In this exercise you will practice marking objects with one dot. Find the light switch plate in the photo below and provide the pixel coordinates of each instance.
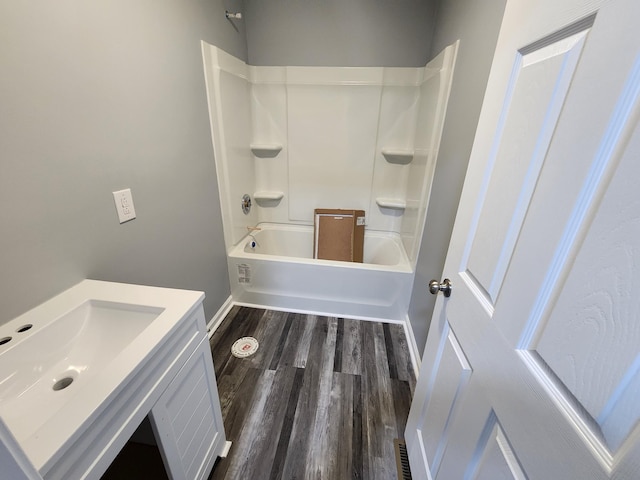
(124, 205)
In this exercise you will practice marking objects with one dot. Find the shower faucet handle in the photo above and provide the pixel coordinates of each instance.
(246, 204)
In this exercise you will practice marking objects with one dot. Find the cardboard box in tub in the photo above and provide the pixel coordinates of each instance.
(338, 234)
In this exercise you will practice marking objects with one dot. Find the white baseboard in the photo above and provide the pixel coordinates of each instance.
(225, 450)
(319, 313)
(414, 351)
(216, 320)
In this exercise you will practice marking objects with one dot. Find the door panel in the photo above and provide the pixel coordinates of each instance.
(536, 93)
(449, 382)
(495, 459)
(589, 340)
(545, 260)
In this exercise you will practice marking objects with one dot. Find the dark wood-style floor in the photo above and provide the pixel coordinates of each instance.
(323, 398)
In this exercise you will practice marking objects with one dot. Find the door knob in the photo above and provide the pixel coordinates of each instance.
(444, 287)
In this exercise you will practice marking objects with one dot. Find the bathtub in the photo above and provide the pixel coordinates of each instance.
(280, 273)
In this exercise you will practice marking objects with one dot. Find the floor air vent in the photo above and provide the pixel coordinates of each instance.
(402, 460)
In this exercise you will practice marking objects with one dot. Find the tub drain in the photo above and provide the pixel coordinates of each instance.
(62, 383)
(244, 347)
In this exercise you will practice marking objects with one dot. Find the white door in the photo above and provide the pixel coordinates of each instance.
(532, 365)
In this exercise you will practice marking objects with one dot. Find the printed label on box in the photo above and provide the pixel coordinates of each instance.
(360, 221)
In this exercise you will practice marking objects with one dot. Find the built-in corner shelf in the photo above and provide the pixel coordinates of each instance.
(265, 150)
(268, 196)
(392, 203)
(397, 155)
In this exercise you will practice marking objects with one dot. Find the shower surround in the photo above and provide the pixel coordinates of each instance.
(299, 138)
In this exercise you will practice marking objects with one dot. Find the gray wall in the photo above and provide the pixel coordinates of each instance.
(476, 24)
(354, 33)
(98, 96)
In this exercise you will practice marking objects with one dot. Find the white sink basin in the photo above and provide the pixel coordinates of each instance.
(42, 368)
(67, 356)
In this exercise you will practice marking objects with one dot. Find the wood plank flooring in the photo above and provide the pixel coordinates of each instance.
(323, 398)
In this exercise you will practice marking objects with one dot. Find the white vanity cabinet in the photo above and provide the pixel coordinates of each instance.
(126, 352)
(187, 420)
(176, 388)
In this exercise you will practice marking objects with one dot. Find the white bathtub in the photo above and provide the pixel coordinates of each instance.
(281, 273)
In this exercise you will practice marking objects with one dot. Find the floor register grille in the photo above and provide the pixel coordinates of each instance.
(402, 460)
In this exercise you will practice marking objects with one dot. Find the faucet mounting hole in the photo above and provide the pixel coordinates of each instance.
(62, 383)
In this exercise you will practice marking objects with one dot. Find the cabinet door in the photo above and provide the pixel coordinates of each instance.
(187, 419)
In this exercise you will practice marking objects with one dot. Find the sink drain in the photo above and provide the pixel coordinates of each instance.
(62, 383)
